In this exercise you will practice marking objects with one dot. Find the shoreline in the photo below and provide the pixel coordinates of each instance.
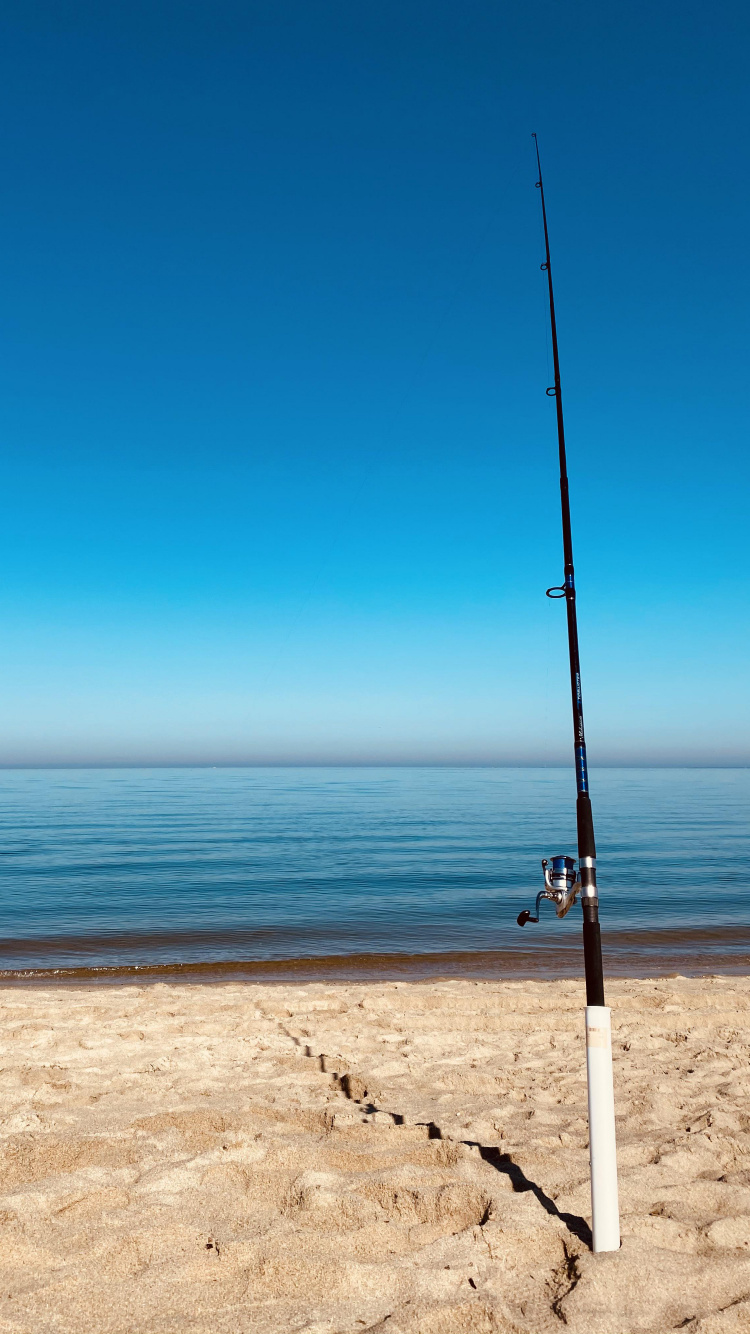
(692, 952)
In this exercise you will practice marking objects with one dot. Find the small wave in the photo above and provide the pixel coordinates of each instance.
(689, 951)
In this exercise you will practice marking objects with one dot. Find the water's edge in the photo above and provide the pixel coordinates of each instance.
(686, 952)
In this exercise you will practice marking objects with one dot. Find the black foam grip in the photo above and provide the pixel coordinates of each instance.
(586, 844)
(592, 954)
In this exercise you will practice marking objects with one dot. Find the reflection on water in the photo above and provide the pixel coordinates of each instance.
(179, 866)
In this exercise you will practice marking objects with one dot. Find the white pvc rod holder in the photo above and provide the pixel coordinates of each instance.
(605, 1210)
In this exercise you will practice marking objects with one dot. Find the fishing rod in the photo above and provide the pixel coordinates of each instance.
(562, 884)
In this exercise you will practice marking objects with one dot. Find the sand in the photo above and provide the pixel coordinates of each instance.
(408, 1158)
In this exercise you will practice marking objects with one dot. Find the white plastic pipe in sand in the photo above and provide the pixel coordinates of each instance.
(605, 1209)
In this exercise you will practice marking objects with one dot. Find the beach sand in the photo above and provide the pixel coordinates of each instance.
(408, 1158)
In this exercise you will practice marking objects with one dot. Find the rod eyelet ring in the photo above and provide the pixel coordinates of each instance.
(552, 391)
(539, 185)
(559, 592)
(544, 267)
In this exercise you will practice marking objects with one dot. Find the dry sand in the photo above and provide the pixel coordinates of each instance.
(403, 1157)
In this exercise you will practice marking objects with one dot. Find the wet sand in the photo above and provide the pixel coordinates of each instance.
(541, 953)
(402, 1157)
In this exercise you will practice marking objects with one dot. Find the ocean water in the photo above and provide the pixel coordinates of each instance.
(363, 870)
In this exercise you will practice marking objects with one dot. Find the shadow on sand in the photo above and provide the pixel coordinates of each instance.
(354, 1090)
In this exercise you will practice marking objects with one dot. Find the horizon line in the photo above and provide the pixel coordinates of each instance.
(369, 764)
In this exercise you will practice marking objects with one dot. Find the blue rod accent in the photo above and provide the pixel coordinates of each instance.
(582, 773)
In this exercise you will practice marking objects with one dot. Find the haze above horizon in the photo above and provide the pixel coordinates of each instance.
(279, 473)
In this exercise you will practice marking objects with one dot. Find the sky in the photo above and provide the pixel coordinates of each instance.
(278, 475)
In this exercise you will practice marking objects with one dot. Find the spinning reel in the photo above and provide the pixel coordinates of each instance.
(561, 886)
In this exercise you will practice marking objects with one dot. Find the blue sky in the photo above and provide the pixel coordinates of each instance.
(278, 474)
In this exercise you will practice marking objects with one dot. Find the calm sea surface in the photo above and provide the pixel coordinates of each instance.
(210, 867)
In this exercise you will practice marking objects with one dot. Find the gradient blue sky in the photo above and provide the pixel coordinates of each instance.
(278, 470)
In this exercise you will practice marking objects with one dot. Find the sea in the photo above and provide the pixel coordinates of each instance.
(272, 873)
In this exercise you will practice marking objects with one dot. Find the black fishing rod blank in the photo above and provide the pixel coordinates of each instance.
(562, 884)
